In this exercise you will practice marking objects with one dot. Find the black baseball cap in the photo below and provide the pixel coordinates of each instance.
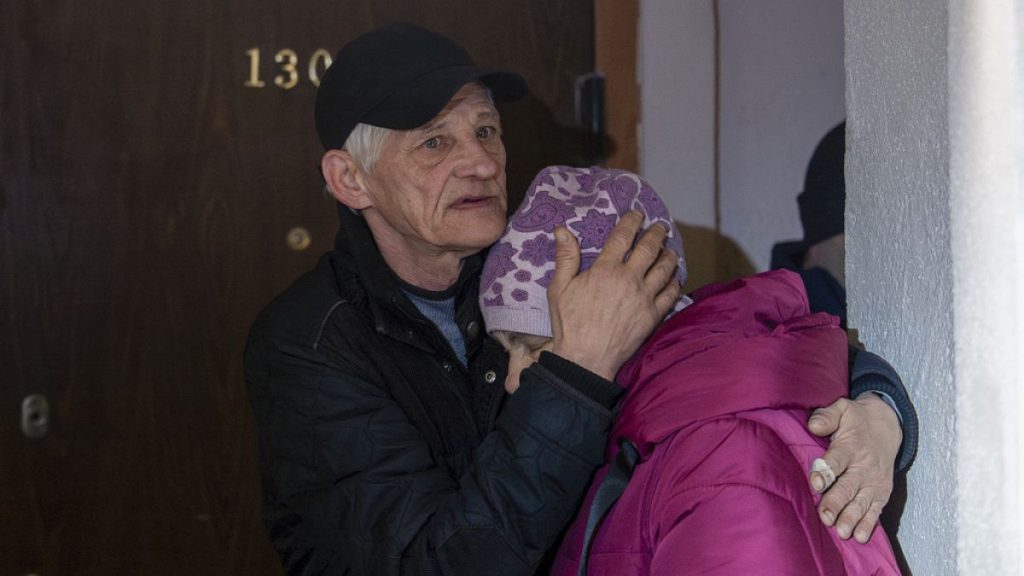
(399, 76)
(823, 200)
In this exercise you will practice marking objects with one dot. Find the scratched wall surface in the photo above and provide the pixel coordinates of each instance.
(899, 266)
(145, 197)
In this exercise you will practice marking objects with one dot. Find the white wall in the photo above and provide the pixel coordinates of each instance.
(781, 90)
(986, 144)
(898, 260)
(677, 106)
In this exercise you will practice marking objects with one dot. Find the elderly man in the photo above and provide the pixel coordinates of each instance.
(387, 442)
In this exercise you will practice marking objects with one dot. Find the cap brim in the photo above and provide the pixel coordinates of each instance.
(420, 100)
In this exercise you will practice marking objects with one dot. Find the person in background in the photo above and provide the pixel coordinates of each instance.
(820, 258)
(710, 438)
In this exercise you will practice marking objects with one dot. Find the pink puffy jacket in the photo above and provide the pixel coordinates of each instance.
(717, 405)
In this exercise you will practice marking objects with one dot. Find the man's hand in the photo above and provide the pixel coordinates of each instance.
(866, 437)
(601, 316)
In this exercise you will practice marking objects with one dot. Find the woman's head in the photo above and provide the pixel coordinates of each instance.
(589, 202)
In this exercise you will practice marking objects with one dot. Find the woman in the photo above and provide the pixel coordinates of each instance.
(710, 447)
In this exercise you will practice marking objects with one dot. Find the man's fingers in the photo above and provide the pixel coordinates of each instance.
(662, 271)
(620, 241)
(861, 454)
(667, 298)
(852, 514)
(867, 524)
(600, 317)
(837, 459)
(648, 249)
(839, 495)
(825, 421)
(567, 262)
(822, 475)
(835, 462)
(841, 492)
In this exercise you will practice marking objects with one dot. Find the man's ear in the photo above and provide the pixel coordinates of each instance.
(345, 179)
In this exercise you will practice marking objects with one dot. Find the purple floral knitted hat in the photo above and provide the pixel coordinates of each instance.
(589, 202)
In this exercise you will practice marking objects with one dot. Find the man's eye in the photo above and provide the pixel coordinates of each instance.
(485, 132)
(432, 143)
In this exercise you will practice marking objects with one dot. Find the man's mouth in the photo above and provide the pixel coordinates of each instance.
(473, 201)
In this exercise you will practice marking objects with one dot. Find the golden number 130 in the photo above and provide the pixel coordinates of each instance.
(288, 65)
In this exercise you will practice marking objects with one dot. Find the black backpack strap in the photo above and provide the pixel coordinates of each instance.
(613, 485)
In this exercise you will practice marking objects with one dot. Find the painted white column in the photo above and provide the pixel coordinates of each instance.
(986, 144)
(898, 262)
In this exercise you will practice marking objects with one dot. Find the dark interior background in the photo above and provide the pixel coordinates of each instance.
(146, 194)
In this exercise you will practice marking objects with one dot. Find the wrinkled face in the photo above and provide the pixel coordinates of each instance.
(441, 187)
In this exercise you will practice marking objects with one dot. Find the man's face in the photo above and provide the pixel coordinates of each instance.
(440, 188)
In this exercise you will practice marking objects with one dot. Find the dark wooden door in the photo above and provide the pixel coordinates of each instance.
(155, 160)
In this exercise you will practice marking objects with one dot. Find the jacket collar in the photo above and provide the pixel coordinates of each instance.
(357, 255)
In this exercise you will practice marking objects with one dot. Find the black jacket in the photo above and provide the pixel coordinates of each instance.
(382, 454)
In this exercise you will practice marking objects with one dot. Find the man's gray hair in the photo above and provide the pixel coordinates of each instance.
(364, 144)
(365, 140)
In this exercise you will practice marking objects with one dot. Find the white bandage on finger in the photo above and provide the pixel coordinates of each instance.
(822, 467)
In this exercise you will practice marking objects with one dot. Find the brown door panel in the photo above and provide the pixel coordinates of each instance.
(146, 194)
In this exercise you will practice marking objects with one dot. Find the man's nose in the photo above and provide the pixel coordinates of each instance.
(477, 161)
